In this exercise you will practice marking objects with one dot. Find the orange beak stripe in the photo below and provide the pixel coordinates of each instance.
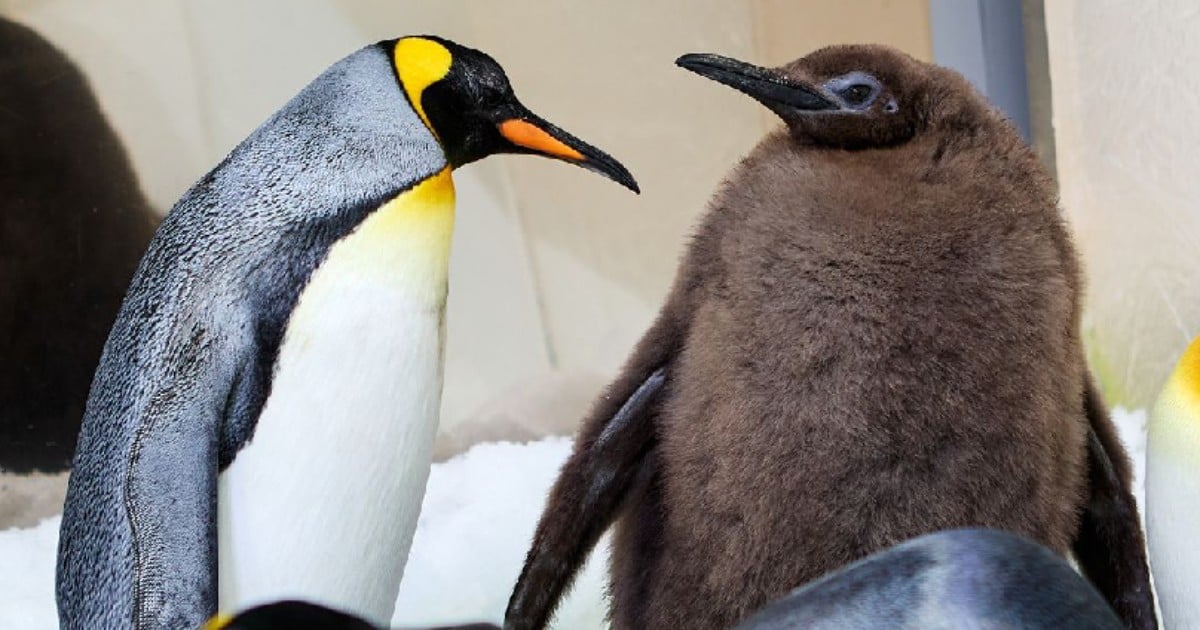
(533, 137)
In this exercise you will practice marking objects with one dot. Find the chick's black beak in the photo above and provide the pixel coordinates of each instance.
(530, 134)
(764, 85)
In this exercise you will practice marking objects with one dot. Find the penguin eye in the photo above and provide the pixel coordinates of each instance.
(857, 90)
(857, 94)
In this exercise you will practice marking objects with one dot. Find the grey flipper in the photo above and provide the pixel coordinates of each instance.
(597, 477)
(967, 578)
(612, 457)
(187, 366)
(137, 545)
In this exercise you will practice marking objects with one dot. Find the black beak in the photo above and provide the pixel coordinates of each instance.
(764, 85)
(530, 134)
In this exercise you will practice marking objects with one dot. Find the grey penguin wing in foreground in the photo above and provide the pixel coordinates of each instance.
(873, 335)
(289, 223)
(962, 578)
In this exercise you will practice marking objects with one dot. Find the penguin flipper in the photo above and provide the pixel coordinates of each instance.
(172, 498)
(609, 453)
(1111, 548)
(138, 545)
(583, 502)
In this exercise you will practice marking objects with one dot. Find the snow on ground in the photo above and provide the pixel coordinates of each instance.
(27, 576)
(476, 522)
(1132, 427)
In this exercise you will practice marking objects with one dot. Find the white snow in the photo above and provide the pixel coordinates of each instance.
(476, 522)
(1132, 427)
(27, 576)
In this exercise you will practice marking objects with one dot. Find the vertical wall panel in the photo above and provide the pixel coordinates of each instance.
(1127, 132)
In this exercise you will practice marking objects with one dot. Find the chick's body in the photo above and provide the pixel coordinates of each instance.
(873, 336)
(849, 381)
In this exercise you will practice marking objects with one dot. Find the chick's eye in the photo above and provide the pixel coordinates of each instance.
(857, 94)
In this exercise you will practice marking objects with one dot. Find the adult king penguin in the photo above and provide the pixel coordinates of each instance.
(1173, 493)
(283, 333)
(874, 335)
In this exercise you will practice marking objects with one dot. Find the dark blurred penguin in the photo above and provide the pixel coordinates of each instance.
(874, 335)
(967, 578)
(277, 365)
(73, 224)
(299, 615)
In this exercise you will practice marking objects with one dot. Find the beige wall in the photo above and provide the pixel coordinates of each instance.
(555, 271)
(1127, 127)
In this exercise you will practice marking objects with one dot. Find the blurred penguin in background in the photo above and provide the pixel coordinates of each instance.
(73, 224)
(1173, 493)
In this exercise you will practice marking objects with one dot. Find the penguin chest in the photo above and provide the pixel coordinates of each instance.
(1172, 504)
(322, 502)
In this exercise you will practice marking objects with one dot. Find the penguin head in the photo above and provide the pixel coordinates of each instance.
(848, 97)
(465, 99)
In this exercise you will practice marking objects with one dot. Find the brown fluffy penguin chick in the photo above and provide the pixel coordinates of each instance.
(874, 335)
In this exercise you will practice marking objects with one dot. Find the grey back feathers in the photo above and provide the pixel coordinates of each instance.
(188, 364)
(969, 578)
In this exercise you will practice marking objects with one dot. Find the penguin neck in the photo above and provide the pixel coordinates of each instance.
(408, 236)
(402, 248)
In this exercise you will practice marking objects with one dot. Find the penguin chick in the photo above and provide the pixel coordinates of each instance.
(965, 578)
(873, 335)
(298, 615)
(1173, 492)
(277, 363)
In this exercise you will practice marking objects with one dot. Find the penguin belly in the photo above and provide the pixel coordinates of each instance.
(322, 502)
(1172, 520)
(1173, 493)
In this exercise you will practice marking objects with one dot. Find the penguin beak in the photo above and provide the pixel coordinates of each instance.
(530, 134)
(781, 95)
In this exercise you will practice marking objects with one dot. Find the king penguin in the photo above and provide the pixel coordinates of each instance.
(1173, 493)
(873, 335)
(269, 392)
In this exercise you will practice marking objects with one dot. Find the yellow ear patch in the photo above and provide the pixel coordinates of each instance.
(420, 63)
